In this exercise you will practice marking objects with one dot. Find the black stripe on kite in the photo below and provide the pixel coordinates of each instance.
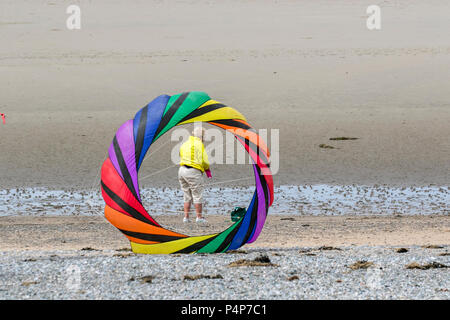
(196, 246)
(258, 151)
(225, 243)
(202, 111)
(253, 219)
(265, 188)
(125, 206)
(124, 169)
(169, 114)
(233, 123)
(140, 135)
(149, 236)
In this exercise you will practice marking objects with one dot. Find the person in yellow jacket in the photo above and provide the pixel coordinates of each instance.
(193, 162)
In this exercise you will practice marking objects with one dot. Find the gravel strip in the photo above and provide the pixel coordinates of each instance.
(299, 273)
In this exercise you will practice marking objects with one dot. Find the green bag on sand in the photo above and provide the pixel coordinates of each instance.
(237, 213)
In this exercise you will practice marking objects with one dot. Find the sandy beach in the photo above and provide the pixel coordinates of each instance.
(280, 231)
(359, 218)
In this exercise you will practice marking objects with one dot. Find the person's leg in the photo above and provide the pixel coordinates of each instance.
(187, 208)
(196, 186)
(194, 178)
(198, 209)
(187, 195)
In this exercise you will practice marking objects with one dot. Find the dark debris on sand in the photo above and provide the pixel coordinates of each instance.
(432, 246)
(326, 146)
(362, 264)
(89, 249)
(201, 276)
(344, 138)
(123, 255)
(236, 252)
(144, 279)
(328, 248)
(260, 261)
(432, 265)
(309, 252)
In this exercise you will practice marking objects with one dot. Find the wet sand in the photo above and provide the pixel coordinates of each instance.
(280, 231)
(320, 73)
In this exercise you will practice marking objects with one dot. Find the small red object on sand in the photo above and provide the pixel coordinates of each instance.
(3, 117)
(208, 173)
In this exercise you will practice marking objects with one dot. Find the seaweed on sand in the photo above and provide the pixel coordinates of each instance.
(326, 146)
(261, 261)
(344, 138)
(202, 276)
(363, 264)
(432, 265)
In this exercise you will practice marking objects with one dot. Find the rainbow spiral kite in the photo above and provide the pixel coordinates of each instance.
(119, 176)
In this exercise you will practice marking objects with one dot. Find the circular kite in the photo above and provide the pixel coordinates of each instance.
(119, 176)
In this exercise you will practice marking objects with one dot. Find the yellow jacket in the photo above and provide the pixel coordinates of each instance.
(193, 154)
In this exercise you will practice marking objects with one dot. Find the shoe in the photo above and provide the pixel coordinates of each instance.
(201, 220)
(185, 220)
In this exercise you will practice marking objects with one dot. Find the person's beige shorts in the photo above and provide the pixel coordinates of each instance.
(191, 182)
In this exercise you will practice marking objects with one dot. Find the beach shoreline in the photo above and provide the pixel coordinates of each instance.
(378, 200)
(74, 233)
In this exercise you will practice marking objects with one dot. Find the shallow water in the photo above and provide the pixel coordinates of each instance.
(303, 200)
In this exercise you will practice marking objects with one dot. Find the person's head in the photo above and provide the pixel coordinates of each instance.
(199, 132)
